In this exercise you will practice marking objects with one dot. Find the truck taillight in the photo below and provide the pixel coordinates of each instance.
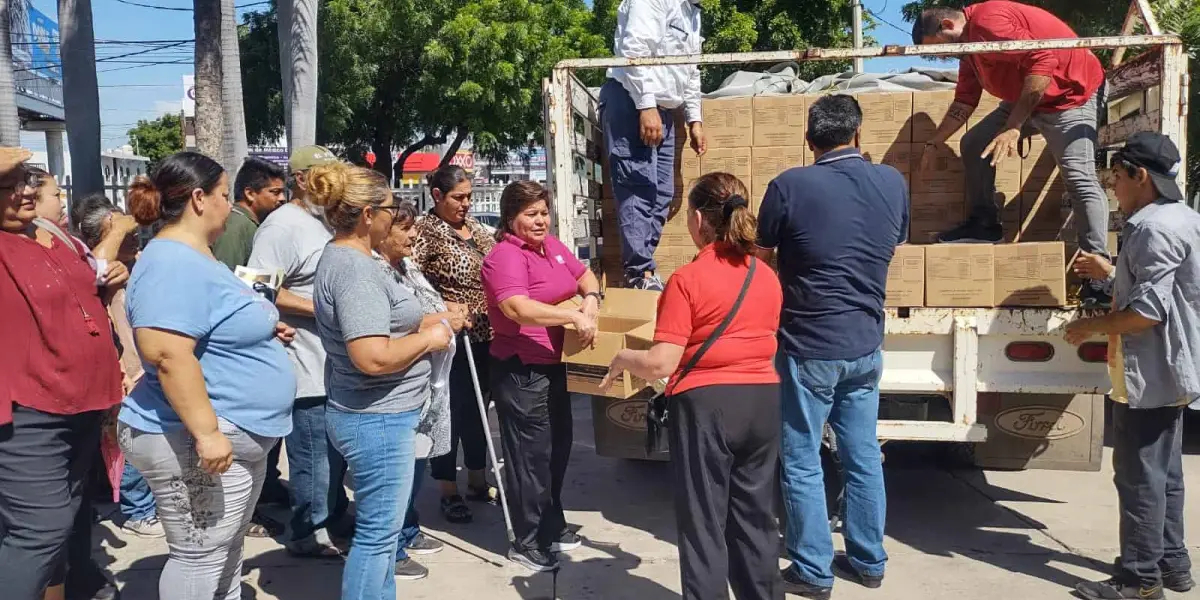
(1029, 351)
(1093, 352)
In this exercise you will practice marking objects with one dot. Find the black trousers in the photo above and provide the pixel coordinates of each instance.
(466, 425)
(725, 459)
(536, 432)
(45, 461)
(1148, 466)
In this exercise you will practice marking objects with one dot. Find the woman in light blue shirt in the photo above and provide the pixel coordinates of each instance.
(218, 388)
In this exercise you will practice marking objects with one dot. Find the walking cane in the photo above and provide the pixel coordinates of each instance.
(483, 414)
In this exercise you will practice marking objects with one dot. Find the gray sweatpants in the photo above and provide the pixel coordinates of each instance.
(205, 516)
(1071, 139)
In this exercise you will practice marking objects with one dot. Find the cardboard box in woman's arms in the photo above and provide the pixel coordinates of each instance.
(626, 321)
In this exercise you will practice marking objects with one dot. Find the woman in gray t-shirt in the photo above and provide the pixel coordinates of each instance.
(377, 367)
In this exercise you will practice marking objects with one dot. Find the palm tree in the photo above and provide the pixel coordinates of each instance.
(209, 78)
(81, 96)
(232, 105)
(10, 124)
(298, 67)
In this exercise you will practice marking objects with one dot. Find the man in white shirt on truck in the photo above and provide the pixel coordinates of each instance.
(637, 111)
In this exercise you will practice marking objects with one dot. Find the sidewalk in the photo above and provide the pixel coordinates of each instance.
(952, 535)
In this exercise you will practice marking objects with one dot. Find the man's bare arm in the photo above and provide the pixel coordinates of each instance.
(292, 304)
(955, 118)
(1031, 95)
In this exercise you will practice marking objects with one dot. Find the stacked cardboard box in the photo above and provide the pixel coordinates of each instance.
(758, 138)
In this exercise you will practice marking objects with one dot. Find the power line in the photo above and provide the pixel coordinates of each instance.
(887, 22)
(182, 8)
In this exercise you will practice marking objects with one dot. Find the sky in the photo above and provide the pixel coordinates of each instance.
(131, 92)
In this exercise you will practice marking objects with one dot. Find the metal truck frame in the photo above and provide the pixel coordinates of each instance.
(960, 354)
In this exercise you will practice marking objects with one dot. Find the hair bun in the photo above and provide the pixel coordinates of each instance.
(327, 184)
(144, 201)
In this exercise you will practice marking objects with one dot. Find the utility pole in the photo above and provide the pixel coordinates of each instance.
(857, 28)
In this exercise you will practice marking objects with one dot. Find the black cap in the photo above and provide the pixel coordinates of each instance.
(1159, 156)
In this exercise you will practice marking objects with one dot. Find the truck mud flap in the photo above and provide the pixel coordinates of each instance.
(1060, 432)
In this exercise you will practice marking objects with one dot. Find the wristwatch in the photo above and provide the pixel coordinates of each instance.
(595, 295)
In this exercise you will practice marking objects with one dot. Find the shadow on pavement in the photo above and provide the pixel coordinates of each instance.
(606, 578)
(940, 512)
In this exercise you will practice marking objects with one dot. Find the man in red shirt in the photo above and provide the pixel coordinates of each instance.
(1053, 92)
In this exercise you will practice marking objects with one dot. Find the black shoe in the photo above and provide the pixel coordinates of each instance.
(567, 542)
(410, 570)
(973, 232)
(1179, 582)
(792, 584)
(423, 544)
(1094, 298)
(537, 561)
(842, 568)
(1119, 588)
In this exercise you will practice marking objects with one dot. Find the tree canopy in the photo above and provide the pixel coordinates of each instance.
(158, 138)
(412, 73)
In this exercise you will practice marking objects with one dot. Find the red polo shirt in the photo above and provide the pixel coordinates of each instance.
(58, 354)
(696, 300)
(549, 274)
(1075, 75)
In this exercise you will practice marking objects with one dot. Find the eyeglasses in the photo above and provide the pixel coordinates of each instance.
(26, 178)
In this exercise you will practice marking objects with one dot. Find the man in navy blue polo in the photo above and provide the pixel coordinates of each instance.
(835, 226)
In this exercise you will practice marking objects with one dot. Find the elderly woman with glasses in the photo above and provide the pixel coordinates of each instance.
(379, 347)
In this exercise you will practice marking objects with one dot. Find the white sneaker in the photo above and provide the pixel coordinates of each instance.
(149, 527)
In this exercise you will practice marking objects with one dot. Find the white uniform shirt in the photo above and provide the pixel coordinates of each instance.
(659, 28)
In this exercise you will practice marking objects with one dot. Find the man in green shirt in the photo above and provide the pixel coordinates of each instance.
(257, 191)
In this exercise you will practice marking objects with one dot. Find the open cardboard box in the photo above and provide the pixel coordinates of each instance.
(626, 321)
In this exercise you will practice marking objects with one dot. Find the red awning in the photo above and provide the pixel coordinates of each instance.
(421, 162)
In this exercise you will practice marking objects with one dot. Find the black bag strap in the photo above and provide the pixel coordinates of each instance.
(712, 339)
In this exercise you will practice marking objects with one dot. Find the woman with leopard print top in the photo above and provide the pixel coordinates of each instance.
(450, 249)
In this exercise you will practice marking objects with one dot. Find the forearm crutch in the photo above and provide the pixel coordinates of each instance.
(483, 415)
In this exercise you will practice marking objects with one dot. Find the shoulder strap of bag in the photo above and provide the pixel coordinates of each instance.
(712, 339)
(57, 232)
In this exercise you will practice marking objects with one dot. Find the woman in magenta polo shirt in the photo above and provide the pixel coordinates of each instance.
(524, 277)
(724, 412)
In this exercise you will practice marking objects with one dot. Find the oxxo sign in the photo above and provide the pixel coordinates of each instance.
(1039, 423)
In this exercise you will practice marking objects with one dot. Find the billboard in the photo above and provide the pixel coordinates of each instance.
(37, 67)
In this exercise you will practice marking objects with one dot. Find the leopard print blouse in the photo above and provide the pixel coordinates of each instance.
(453, 266)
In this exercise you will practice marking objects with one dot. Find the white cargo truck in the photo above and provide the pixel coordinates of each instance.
(1002, 380)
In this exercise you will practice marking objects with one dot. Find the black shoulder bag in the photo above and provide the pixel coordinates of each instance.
(657, 413)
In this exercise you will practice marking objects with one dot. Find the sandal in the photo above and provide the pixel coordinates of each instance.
(312, 548)
(455, 510)
(487, 494)
(262, 526)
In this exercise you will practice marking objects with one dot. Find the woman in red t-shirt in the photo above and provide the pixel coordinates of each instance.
(724, 412)
(58, 375)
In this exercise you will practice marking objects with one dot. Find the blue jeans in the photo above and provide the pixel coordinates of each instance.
(643, 178)
(846, 394)
(315, 471)
(412, 524)
(137, 501)
(380, 450)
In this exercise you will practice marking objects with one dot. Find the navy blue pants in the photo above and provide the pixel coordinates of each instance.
(643, 178)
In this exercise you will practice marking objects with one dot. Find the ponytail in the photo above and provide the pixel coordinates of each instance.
(721, 200)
